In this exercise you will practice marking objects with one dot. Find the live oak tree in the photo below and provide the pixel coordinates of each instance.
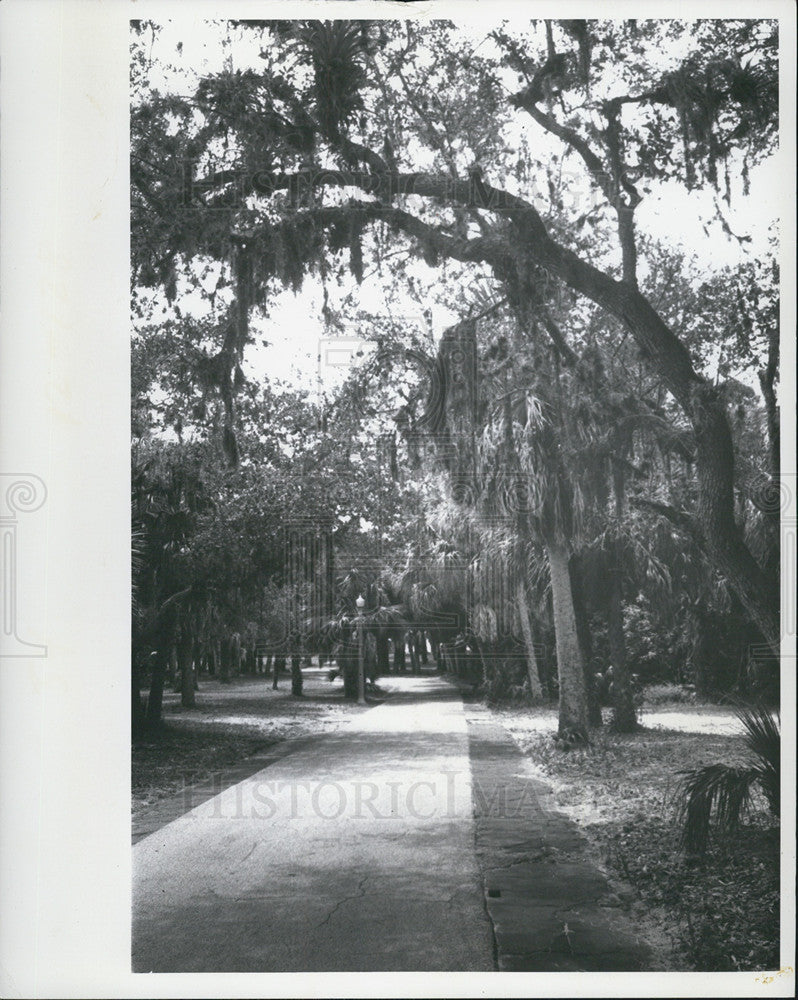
(356, 137)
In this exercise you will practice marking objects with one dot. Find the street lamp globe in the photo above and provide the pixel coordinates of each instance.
(360, 603)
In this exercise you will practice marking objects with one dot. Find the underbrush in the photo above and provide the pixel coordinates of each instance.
(661, 694)
(726, 907)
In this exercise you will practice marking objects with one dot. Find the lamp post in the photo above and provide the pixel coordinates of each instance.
(361, 667)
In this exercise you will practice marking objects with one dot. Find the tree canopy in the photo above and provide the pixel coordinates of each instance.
(593, 373)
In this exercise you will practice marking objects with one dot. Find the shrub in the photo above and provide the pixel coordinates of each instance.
(726, 791)
(660, 694)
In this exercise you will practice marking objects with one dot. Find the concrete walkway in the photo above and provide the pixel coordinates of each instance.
(413, 839)
(552, 910)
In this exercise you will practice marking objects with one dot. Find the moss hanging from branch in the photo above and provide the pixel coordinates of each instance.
(701, 96)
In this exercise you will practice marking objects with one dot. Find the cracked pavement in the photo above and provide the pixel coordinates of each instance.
(416, 838)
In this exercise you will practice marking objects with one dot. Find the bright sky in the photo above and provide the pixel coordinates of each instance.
(297, 351)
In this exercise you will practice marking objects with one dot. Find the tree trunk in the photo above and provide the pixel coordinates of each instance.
(155, 700)
(727, 551)
(411, 645)
(585, 641)
(573, 721)
(186, 666)
(350, 668)
(225, 653)
(279, 664)
(535, 688)
(296, 676)
(399, 653)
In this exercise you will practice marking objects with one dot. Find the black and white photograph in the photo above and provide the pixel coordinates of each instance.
(455, 506)
(458, 517)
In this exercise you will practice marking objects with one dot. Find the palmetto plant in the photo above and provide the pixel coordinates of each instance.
(727, 792)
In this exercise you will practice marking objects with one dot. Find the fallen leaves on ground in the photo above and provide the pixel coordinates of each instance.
(621, 790)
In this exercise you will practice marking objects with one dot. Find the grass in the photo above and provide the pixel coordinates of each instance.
(721, 914)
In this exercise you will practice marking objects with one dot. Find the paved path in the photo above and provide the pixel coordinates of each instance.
(413, 839)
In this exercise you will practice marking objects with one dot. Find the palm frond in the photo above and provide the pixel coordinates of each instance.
(763, 739)
(717, 788)
(725, 791)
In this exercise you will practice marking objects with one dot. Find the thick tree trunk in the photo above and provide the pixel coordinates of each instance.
(585, 641)
(727, 551)
(573, 721)
(535, 688)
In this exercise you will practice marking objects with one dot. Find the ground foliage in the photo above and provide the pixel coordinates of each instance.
(726, 909)
(176, 755)
(721, 913)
